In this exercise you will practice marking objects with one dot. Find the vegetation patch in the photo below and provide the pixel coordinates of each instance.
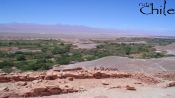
(43, 54)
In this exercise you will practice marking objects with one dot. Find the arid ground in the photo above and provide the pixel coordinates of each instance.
(105, 77)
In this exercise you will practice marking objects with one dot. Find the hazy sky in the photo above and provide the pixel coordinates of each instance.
(118, 14)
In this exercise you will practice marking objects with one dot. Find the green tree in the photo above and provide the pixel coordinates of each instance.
(63, 60)
(20, 57)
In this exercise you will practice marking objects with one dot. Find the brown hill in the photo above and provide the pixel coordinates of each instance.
(128, 64)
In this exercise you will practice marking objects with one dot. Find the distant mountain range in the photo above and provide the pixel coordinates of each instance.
(56, 31)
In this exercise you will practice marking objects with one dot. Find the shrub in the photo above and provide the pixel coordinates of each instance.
(63, 60)
(20, 57)
(7, 69)
(6, 63)
(40, 64)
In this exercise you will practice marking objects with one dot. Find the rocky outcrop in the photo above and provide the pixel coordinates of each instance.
(130, 88)
(4, 89)
(21, 83)
(168, 84)
(46, 90)
(166, 75)
(105, 83)
(34, 89)
(81, 74)
(171, 84)
(59, 69)
(33, 84)
(28, 76)
(70, 78)
(146, 78)
(99, 75)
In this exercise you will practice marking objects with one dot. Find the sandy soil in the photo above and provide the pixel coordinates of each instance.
(138, 85)
(170, 49)
(146, 92)
(128, 64)
(95, 88)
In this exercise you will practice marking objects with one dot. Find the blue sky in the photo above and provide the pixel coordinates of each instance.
(117, 14)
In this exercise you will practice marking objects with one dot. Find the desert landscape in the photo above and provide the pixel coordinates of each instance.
(125, 67)
(80, 83)
(87, 49)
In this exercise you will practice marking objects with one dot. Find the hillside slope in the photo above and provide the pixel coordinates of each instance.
(127, 64)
